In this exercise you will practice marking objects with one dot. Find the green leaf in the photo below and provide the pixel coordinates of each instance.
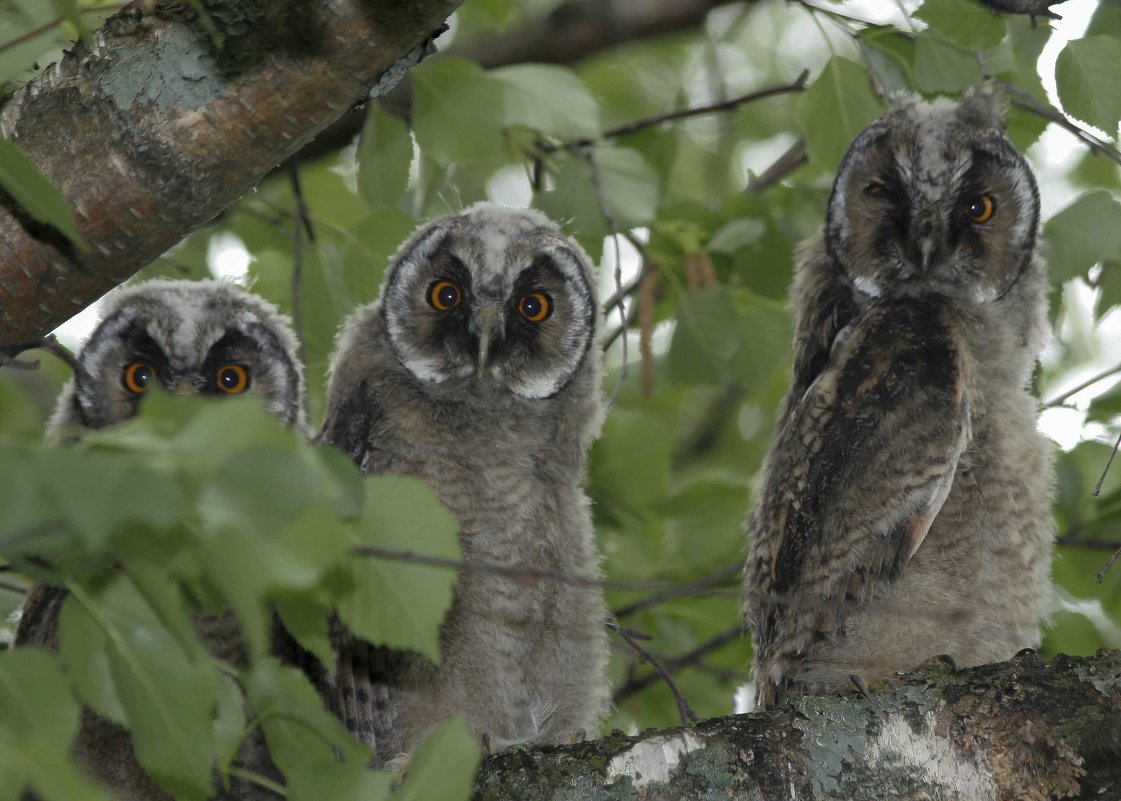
(941, 66)
(838, 106)
(443, 766)
(304, 739)
(765, 335)
(890, 56)
(68, 10)
(398, 603)
(38, 721)
(168, 697)
(1086, 77)
(736, 234)
(385, 153)
(1082, 234)
(458, 112)
(548, 99)
(966, 22)
(35, 193)
(701, 350)
(630, 461)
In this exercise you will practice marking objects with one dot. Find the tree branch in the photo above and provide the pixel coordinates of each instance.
(994, 732)
(146, 145)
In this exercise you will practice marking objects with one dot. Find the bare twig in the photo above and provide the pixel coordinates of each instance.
(683, 708)
(520, 573)
(797, 85)
(47, 26)
(48, 343)
(301, 223)
(794, 157)
(1108, 564)
(693, 588)
(1072, 539)
(646, 301)
(635, 685)
(1022, 99)
(1098, 486)
(1089, 382)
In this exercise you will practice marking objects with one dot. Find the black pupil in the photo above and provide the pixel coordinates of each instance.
(448, 295)
(531, 306)
(976, 207)
(228, 378)
(141, 376)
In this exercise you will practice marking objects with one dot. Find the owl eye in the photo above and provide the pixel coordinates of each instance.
(137, 377)
(536, 307)
(980, 208)
(233, 379)
(443, 295)
(874, 188)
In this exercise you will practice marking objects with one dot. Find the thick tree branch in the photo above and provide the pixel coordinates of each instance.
(1014, 730)
(155, 129)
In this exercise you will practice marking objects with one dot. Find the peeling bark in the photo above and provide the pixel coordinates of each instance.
(1015, 731)
(155, 128)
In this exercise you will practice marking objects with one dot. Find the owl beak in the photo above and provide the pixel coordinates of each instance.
(927, 234)
(185, 387)
(486, 324)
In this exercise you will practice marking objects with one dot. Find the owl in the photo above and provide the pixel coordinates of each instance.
(477, 372)
(904, 507)
(200, 337)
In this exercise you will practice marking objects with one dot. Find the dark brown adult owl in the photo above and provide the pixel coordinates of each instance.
(904, 511)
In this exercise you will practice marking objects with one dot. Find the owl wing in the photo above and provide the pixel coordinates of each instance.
(857, 474)
(361, 689)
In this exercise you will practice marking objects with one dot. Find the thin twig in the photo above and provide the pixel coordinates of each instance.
(619, 330)
(46, 26)
(48, 343)
(1108, 564)
(1098, 486)
(634, 685)
(520, 573)
(1089, 382)
(1072, 539)
(689, 590)
(794, 157)
(687, 715)
(627, 290)
(1022, 99)
(298, 258)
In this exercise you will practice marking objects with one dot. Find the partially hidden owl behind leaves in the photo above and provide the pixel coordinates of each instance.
(477, 371)
(194, 337)
(904, 508)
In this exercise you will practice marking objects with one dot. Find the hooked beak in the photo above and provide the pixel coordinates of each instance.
(185, 387)
(486, 324)
(926, 233)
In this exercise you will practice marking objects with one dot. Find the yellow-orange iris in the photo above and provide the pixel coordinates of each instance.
(535, 307)
(138, 376)
(444, 295)
(980, 208)
(233, 379)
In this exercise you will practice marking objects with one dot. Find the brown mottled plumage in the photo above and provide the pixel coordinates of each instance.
(495, 410)
(904, 511)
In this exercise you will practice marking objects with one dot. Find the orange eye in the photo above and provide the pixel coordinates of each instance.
(137, 377)
(536, 307)
(874, 188)
(233, 379)
(980, 208)
(443, 295)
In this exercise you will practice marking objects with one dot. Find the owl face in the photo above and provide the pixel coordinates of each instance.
(496, 296)
(191, 337)
(932, 197)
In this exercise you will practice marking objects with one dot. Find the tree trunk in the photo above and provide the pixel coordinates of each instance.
(160, 125)
(1015, 731)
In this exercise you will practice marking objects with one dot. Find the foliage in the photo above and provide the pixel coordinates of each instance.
(205, 505)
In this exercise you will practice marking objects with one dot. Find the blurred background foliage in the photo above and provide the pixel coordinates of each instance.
(573, 107)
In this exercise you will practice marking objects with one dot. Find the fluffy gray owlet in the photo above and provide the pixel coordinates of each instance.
(477, 371)
(197, 337)
(904, 511)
